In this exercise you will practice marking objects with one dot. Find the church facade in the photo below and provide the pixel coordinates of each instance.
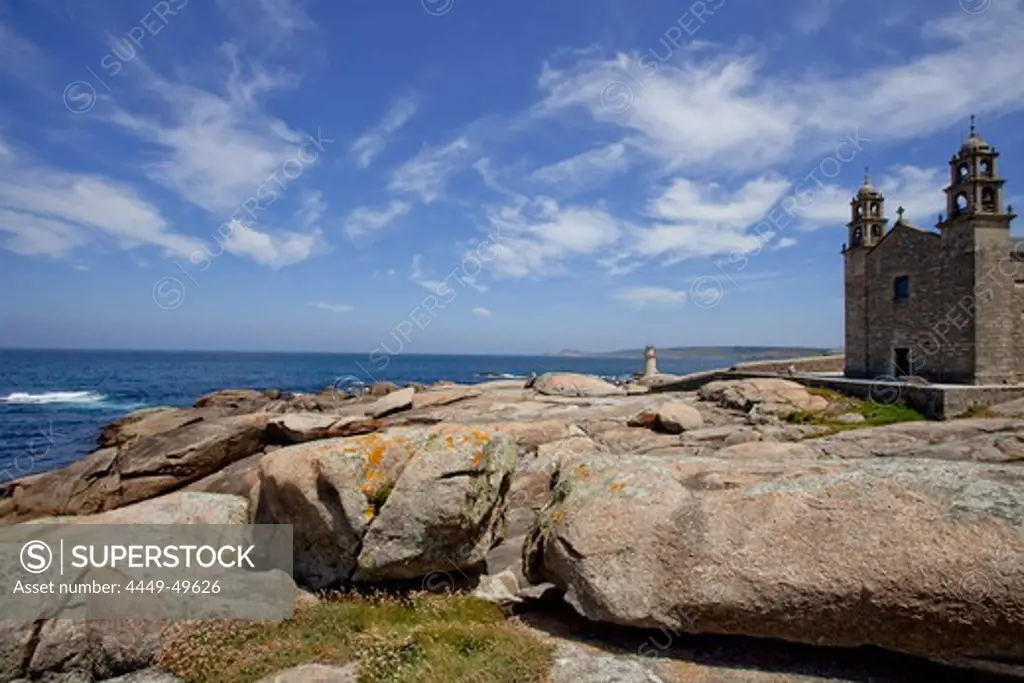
(944, 305)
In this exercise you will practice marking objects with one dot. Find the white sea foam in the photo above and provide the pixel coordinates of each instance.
(53, 397)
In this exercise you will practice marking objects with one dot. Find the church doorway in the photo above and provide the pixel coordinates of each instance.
(902, 362)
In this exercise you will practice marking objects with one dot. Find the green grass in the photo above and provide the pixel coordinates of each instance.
(416, 639)
(875, 414)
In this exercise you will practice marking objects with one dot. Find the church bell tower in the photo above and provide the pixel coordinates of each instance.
(864, 231)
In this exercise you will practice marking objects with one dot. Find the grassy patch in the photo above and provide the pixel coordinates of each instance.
(874, 414)
(978, 411)
(418, 639)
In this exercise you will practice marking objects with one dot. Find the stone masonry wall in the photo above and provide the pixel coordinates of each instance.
(907, 323)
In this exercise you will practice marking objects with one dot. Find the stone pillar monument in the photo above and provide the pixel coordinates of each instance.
(650, 362)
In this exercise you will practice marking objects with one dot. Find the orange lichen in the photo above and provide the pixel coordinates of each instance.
(582, 471)
(617, 486)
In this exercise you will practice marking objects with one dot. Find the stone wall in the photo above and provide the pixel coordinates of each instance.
(962, 321)
(856, 313)
(832, 363)
(909, 323)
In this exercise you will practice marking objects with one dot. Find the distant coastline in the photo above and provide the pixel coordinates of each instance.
(733, 353)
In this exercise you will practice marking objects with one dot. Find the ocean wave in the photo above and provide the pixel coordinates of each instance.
(500, 375)
(20, 397)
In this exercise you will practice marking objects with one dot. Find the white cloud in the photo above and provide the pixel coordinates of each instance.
(916, 189)
(539, 235)
(724, 113)
(278, 21)
(312, 209)
(699, 113)
(641, 297)
(585, 169)
(276, 250)
(366, 219)
(371, 143)
(427, 173)
(216, 150)
(482, 312)
(417, 275)
(695, 220)
(47, 211)
(332, 308)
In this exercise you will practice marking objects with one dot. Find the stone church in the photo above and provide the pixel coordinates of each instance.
(945, 305)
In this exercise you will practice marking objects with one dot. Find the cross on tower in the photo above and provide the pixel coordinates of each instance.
(972, 125)
(867, 175)
(899, 212)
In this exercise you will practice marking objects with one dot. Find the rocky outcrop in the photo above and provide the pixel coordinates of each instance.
(446, 508)
(568, 384)
(768, 449)
(672, 418)
(146, 422)
(982, 440)
(101, 648)
(394, 402)
(924, 557)
(383, 506)
(239, 401)
(771, 397)
(435, 398)
(301, 427)
(382, 388)
(143, 467)
(183, 507)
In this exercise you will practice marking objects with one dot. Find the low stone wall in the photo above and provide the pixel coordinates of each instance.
(934, 402)
(808, 364)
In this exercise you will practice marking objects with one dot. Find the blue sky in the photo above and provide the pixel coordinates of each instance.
(471, 176)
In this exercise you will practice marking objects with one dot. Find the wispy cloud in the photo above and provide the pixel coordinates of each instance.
(365, 219)
(725, 113)
(642, 297)
(482, 312)
(539, 235)
(427, 173)
(331, 307)
(276, 250)
(370, 144)
(215, 149)
(589, 168)
(48, 211)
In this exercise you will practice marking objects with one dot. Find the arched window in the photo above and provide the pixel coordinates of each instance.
(857, 237)
(988, 200)
(961, 203)
(874, 208)
(876, 230)
(860, 210)
(986, 168)
(963, 172)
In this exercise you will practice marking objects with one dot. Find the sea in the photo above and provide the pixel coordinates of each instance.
(53, 403)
